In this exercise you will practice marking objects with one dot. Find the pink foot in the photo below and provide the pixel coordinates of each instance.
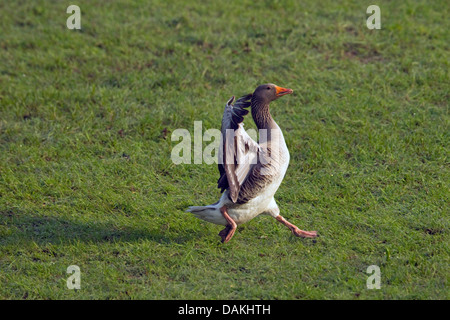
(295, 230)
(227, 233)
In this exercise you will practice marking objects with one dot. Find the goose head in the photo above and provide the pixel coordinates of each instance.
(269, 92)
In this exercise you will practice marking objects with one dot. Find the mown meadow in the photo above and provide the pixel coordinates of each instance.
(87, 179)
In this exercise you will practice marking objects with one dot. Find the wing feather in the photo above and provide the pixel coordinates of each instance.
(238, 151)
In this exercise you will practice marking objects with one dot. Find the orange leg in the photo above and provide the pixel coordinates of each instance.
(229, 230)
(296, 231)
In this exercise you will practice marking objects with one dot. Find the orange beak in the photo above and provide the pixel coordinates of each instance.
(282, 91)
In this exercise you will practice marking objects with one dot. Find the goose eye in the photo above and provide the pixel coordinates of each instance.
(268, 88)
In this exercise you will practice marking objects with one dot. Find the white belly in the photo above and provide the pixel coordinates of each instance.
(263, 202)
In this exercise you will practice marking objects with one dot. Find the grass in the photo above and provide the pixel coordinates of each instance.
(86, 179)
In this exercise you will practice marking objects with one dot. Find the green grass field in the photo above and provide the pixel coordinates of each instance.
(86, 178)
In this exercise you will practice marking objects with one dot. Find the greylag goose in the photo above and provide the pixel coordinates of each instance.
(250, 172)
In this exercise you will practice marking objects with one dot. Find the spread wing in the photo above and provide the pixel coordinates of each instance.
(238, 151)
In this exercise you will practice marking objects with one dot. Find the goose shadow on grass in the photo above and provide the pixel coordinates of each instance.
(56, 230)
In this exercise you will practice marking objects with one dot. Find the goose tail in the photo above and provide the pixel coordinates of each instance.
(210, 213)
